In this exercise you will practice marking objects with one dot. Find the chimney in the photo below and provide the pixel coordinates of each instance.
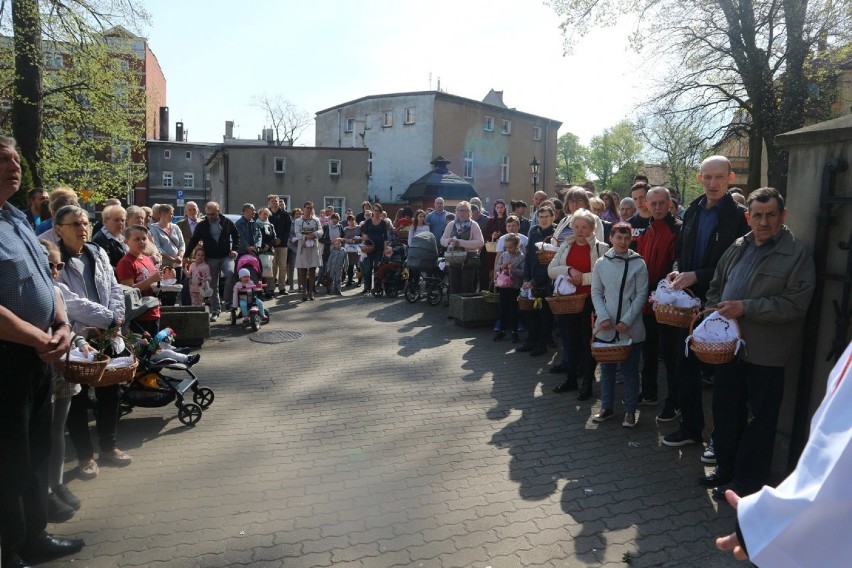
(229, 130)
(179, 131)
(164, 124)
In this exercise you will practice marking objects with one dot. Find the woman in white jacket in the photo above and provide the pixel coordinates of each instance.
(619, 290)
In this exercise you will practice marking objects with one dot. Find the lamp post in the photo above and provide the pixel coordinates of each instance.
(534, 169)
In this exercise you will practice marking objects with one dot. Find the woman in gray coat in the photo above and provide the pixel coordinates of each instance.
(619, 290)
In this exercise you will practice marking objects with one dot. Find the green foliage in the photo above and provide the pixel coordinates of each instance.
(614, 156)
(571, 159)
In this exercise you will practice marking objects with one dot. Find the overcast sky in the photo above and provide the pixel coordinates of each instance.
(216, 55)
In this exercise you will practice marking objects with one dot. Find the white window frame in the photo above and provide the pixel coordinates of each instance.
(370, 165)
(409, 116)
(287, 201)
(536, 133)
(167, 154)
(504, 169)
(468, 164)
(488, 123)
(189, 180)
(279, 161)
(168, 179)
(350, 125)
(332, 198)
(387, 119)
(335, 167)
(505, 126)
(188, 154)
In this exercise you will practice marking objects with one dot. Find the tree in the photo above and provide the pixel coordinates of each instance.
(728, 54)
(76, 111)
(678, 141)
(286, 119)
(570, 159)
(614, 156)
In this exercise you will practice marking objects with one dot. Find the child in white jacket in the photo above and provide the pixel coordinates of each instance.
(619, 290)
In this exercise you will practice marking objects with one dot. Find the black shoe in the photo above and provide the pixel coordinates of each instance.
(67, 497)
(57, 510)
(680, 438)
(560, 368)
(538, 351)
(515, 338)
(48, 547)
(525, 347)
(566, 386)
(584, 394)
(192, 359)
(499, 336)
(713, 479)
(13, 561)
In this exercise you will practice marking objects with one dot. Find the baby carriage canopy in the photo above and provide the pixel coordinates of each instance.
(423, 248)
(252, 264)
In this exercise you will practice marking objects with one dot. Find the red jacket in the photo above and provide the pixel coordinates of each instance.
(657, 247)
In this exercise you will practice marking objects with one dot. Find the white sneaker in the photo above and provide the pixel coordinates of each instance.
(629, 420)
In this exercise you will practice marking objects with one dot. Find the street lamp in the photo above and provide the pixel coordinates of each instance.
(534, 169)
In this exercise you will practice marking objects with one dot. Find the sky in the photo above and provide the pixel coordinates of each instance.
(216, 56)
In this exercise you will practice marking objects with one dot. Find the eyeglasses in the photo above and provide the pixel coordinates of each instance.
(57, 266)
(75, 224)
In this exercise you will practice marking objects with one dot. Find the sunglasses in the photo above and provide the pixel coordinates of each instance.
(58, 266)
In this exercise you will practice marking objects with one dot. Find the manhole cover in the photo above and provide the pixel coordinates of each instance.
(277, 336)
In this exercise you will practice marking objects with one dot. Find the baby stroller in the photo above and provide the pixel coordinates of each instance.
(425, 277)
(390, 274)
(251, 296)
(155, 385)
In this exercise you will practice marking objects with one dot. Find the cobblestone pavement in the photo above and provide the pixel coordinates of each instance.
(389, 436)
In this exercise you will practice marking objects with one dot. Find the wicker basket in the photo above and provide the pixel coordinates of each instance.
(545, 256)
(491, 297)
(455, 257)
(673, 315)
(562, 304)
(525, 304)
(610, 353)
(713, 352)
(491, 246)
(367, 247)
(84, 372)
(119, 375)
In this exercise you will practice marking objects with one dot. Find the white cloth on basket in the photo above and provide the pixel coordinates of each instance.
(716, 328)
(666, 295)
(563, 285)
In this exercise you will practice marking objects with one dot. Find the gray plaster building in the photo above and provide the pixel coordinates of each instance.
(175, 167)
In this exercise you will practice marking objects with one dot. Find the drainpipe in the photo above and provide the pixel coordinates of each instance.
(339, 139)
(227, 170)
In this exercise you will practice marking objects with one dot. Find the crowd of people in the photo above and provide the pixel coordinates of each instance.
(739, 259)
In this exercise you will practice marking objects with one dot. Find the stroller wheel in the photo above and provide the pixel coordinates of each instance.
(189, 414)
(377, 292)
(434, 294)
(412, 292)
(203, 397)
(392, 291)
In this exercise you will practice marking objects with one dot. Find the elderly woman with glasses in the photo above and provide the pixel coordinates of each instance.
(96, 300)
(464, 234)
(575, 259)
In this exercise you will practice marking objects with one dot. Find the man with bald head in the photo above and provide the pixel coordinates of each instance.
(711, 224)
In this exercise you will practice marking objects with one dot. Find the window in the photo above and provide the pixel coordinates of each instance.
(168, 179)
(167, 154)
(334, 167)
(280, 165)
(368, 121)
(536, 133)
(387, 121)
(370, 165)
(505, 126)
(189, 179)
(489, 124)
(504, 170)
(123, 65)
(339, 204)
(188, 154)
(409, 116)
(468, 164)
(350, 124)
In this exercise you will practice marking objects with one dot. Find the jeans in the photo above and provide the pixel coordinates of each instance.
(244, 309)
(630, 373)
(226, 267)
(744, 447)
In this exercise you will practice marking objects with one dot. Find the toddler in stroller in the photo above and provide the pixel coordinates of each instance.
(246, 300)
(390, 277)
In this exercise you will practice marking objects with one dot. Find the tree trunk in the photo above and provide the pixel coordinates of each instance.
(28, 104)
(755, 156)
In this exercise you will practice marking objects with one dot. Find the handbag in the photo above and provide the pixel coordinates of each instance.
(504, 279)
(266, 263)
(455, 257)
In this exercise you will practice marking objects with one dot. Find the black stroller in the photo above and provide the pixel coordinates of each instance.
(425, 277)
(155, 385)
(391, 275)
